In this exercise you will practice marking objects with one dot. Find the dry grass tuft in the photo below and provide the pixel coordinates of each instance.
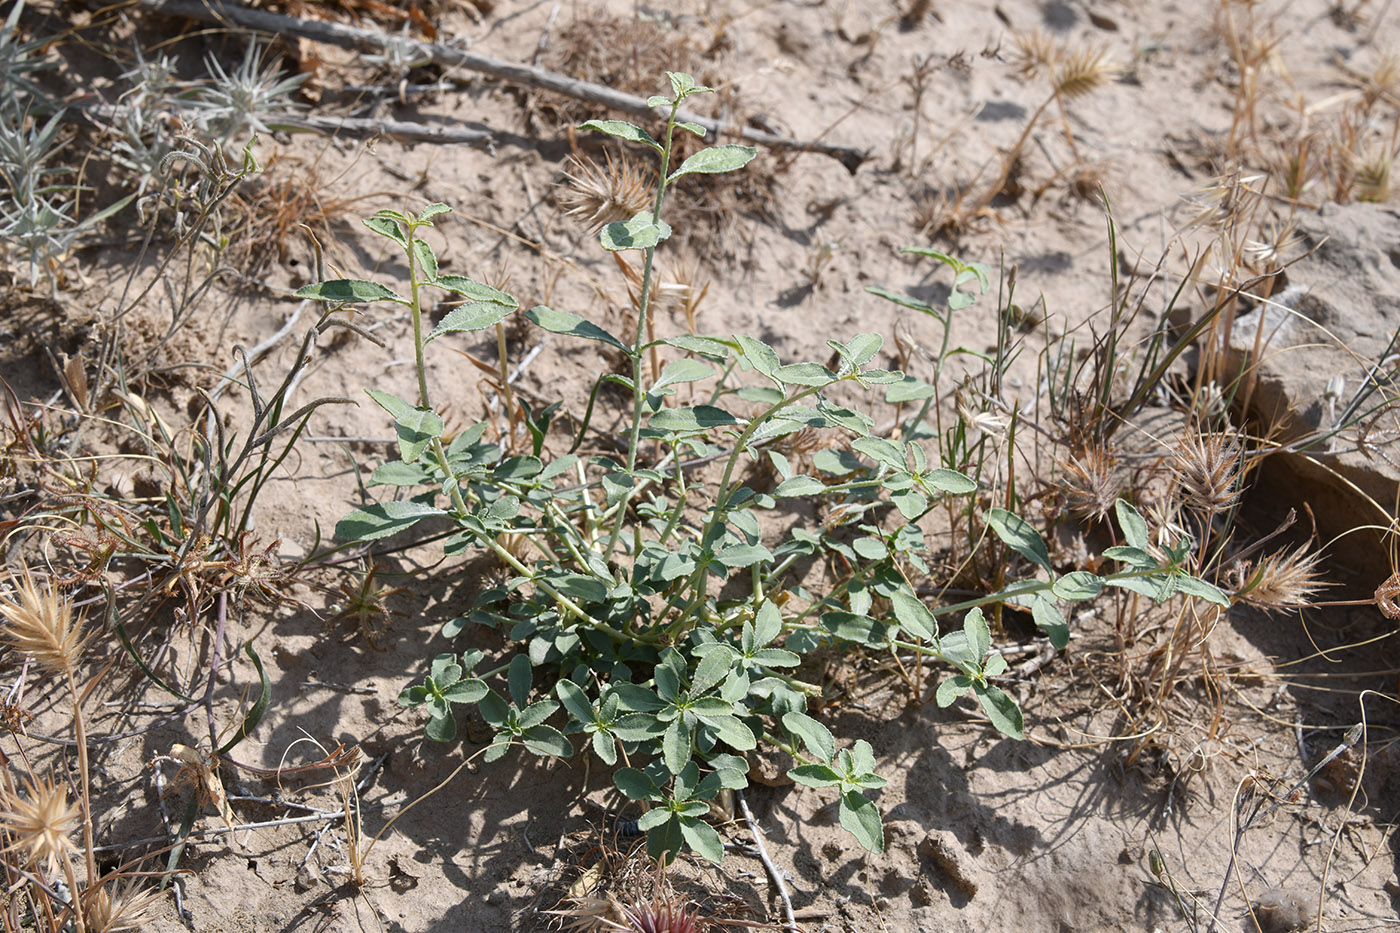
(40, 625)
(121, 907)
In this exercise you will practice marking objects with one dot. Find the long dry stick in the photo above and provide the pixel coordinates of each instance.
(773, 874)
(226, 13)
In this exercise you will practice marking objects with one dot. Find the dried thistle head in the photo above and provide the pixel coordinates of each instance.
(604, 194)
(121, 907)
(39, 624)
(1080, 72)
(661, 916)
(1281, 581)
(40, 822)
(1090, 483)
(1206, 469)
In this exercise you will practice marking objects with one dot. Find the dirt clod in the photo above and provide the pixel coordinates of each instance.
(1282, 910)
(942, 849)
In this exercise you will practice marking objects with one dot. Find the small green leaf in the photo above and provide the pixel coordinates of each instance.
(1133, 525)
(950, 481)
(398, 473)
(416, 429)
(638, 727)
(709, 672)
(653, 818)
(733, 732)
(563, 322)
(441, 728)
(816, 775)
(804, 374)
(860, 350)
(675, 746)
(695, 128)
(739, 556)
(427, 259)
(470, 690)
(634, 784)
(758, 355)
(656, 100)
(767, 623)
(702, 838)
(476, 291)
(862, 630)
(1048, 618)
(387, 227)
(1078, 586)
(908, 389)
(1001, 710)
(776, 657)
(799, 486)
(881, 451)
(574, 700)
(816, 737)
(913, 615)
(349, 290)
(433, 210)
(952, 688)
(477, 315)
(1194, 586)
(979, 637)
(520, 677)
(861, 819)
(682, 370)
(1019, 535)
(715, 160)
(1131, 555)
(622, 130)
(697, 418)
(382, 519)
(641, 232)
(547, 741)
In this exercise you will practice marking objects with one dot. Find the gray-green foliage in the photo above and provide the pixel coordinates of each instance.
(622, 637)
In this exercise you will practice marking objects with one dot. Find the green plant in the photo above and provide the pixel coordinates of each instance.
(616, 619)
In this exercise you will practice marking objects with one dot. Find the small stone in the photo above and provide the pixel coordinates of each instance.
(1283, 910)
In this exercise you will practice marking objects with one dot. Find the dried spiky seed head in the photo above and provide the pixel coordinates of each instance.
(604, 194)
(1090, 483)
(1373, 172)
(121, 908)
(1207, 471)
(40, 822)
(1081, 72)
(39, 624)
(1035, 51)
(1282, 581)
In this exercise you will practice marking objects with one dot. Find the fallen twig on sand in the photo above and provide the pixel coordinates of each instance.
(773, 874)
(232, 14)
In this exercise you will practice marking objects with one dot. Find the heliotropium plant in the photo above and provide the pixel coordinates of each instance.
(620, 634)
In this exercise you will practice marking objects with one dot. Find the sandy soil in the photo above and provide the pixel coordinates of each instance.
(1062, 832)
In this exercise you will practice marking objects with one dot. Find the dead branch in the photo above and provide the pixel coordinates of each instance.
(230, 14)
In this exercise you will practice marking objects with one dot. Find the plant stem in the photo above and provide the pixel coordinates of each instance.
(639, 394)
(84, 782)
(416, 312)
